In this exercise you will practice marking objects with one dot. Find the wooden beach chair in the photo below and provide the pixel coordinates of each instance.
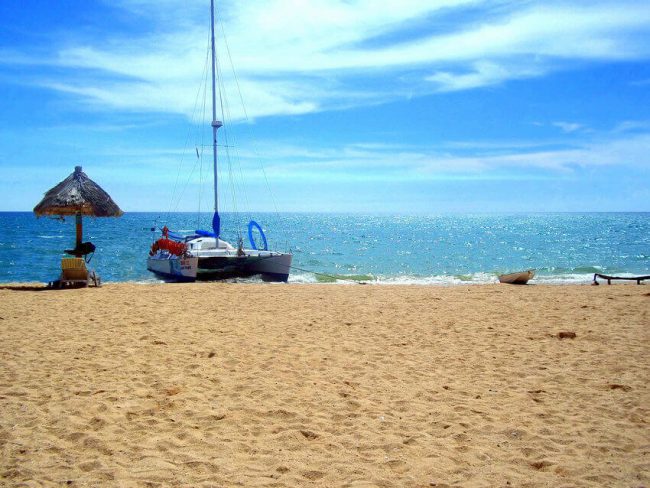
(75, 273)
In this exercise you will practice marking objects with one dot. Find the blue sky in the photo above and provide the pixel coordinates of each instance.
(366, 106)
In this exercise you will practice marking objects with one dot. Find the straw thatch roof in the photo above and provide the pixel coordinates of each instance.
(77, 194)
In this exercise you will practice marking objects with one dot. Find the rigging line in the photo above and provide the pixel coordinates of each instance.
(237, 184)
(268, 186)
(241, 98)
(203, 146)
(221, 87)
(243, 105)
(232, 151)
(225, 128)
(257, 158)
(241, 179)
(187, 138)
(232, 158)
(231, 180)
(226, 113)
(202, 138)
(200, 127)
(193, 126)
(232, 66)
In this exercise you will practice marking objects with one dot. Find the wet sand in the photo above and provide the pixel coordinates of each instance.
(325, 385)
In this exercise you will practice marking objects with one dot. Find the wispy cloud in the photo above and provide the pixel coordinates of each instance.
(482, 73)
(403, 162)
(568, 127)
(298, 57)
(633, 125)
(645, 82)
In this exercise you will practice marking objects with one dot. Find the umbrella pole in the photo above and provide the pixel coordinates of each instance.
(79, 234)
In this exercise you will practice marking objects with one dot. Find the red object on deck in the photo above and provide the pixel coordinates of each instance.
(176, 248)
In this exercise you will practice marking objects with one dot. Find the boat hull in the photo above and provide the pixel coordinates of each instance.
(519, 278)
(174, 268)
(270, 266)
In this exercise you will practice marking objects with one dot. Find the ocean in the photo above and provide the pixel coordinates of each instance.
(431, 249)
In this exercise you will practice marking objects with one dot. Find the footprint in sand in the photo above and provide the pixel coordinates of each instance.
(313, 475)
(540, 465)
(309, 434)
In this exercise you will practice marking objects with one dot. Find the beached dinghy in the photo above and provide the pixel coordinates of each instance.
(519, 278)
(216, 258)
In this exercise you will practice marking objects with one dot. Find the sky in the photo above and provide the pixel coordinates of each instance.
(390, 106)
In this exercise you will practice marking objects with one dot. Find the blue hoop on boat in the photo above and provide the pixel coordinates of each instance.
(252, 224)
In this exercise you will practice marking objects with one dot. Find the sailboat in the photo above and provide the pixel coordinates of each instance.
(204, 255)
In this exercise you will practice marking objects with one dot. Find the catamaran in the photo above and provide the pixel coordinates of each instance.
(204, 255)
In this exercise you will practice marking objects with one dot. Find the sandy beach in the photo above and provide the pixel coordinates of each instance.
(325, 385)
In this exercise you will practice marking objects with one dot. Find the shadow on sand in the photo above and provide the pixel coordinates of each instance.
(25, 287)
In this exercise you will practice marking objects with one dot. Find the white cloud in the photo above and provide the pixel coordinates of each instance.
(568, 127)
(483, 161)
(633, 125)
(640, 82)
(299, 56)
(483, 73)
(322, 35)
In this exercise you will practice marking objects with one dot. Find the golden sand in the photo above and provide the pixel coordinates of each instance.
(325, 385)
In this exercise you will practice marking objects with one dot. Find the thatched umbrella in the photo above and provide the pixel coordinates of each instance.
(77, 195)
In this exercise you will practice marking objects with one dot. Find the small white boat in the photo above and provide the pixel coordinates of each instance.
(519, 278)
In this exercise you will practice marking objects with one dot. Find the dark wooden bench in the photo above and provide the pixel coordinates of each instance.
(609, 279)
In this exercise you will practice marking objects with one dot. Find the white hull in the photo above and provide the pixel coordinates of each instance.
(173, 268)
(520, 278)
(219, 260)
(270, 266)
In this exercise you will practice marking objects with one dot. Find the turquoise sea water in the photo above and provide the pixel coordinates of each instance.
(443, 249)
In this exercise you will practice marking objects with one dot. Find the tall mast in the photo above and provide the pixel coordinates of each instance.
(216, 220)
